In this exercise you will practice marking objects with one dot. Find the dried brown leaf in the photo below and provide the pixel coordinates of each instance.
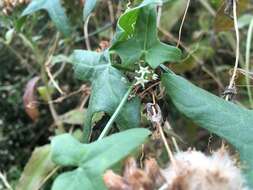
(29, 99)
(224, 17)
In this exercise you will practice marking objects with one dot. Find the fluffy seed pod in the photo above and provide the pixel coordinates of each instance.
(195, 171)
(191, 170)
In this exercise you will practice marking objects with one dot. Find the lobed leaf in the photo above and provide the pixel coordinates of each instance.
(92, 159)
(136, 37)
(108, 88)
(55, 11)
(229, 121)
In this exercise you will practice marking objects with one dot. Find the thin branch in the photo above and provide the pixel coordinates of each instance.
(167, 124)
(247, 62)
(232, 80)
(170, 154)
(47, 68)
(198, 61)
(155, 116)
(182, 23)
(51, 105)
(86, 33)
(48, 176)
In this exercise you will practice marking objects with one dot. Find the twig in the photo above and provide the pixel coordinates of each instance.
(115, 114)
(182, 23)
(198, 61)
(47, 68)
(83, 88)
(167, 124)
(86, 33)
(48, 176)
(155, 116)
(166, 144)
(5, 182)
(232, 80)
(44, 72)
(147, 89)
(247, 62)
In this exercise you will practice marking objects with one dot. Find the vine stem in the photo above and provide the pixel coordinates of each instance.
(247, 62)
(5, 182)
(86, 33)
(232, 80)
(182, 23)
(116, 113)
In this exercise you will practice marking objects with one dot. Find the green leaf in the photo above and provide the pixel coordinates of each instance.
(55, 11)
(137, 38)
(108, 88)
(74, 117)
(89, 6)
(92, 159)
(37, 168)
(229, 121)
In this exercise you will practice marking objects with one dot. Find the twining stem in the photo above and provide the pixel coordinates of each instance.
(170, 154)
(115, 114)
(86, 33)
(232, 80)
(182, 23)
(247, 62)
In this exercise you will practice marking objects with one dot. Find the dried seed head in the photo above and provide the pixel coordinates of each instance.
(192, 170)
(7, 6)
(195, 171)
(134, 178)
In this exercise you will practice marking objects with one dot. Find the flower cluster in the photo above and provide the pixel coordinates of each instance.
(145, 75)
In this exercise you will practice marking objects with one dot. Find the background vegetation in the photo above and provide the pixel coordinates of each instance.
(40, 97)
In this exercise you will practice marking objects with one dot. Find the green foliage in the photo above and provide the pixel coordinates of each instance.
(88, 8)
(229, 121)
(136, 44)
(37, 168)
(92, 159)
(106, 93)
(137, 39)
(55, 11)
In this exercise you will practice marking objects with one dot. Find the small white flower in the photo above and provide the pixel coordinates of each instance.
(141, 80)
(154, 76)
(143, 71)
